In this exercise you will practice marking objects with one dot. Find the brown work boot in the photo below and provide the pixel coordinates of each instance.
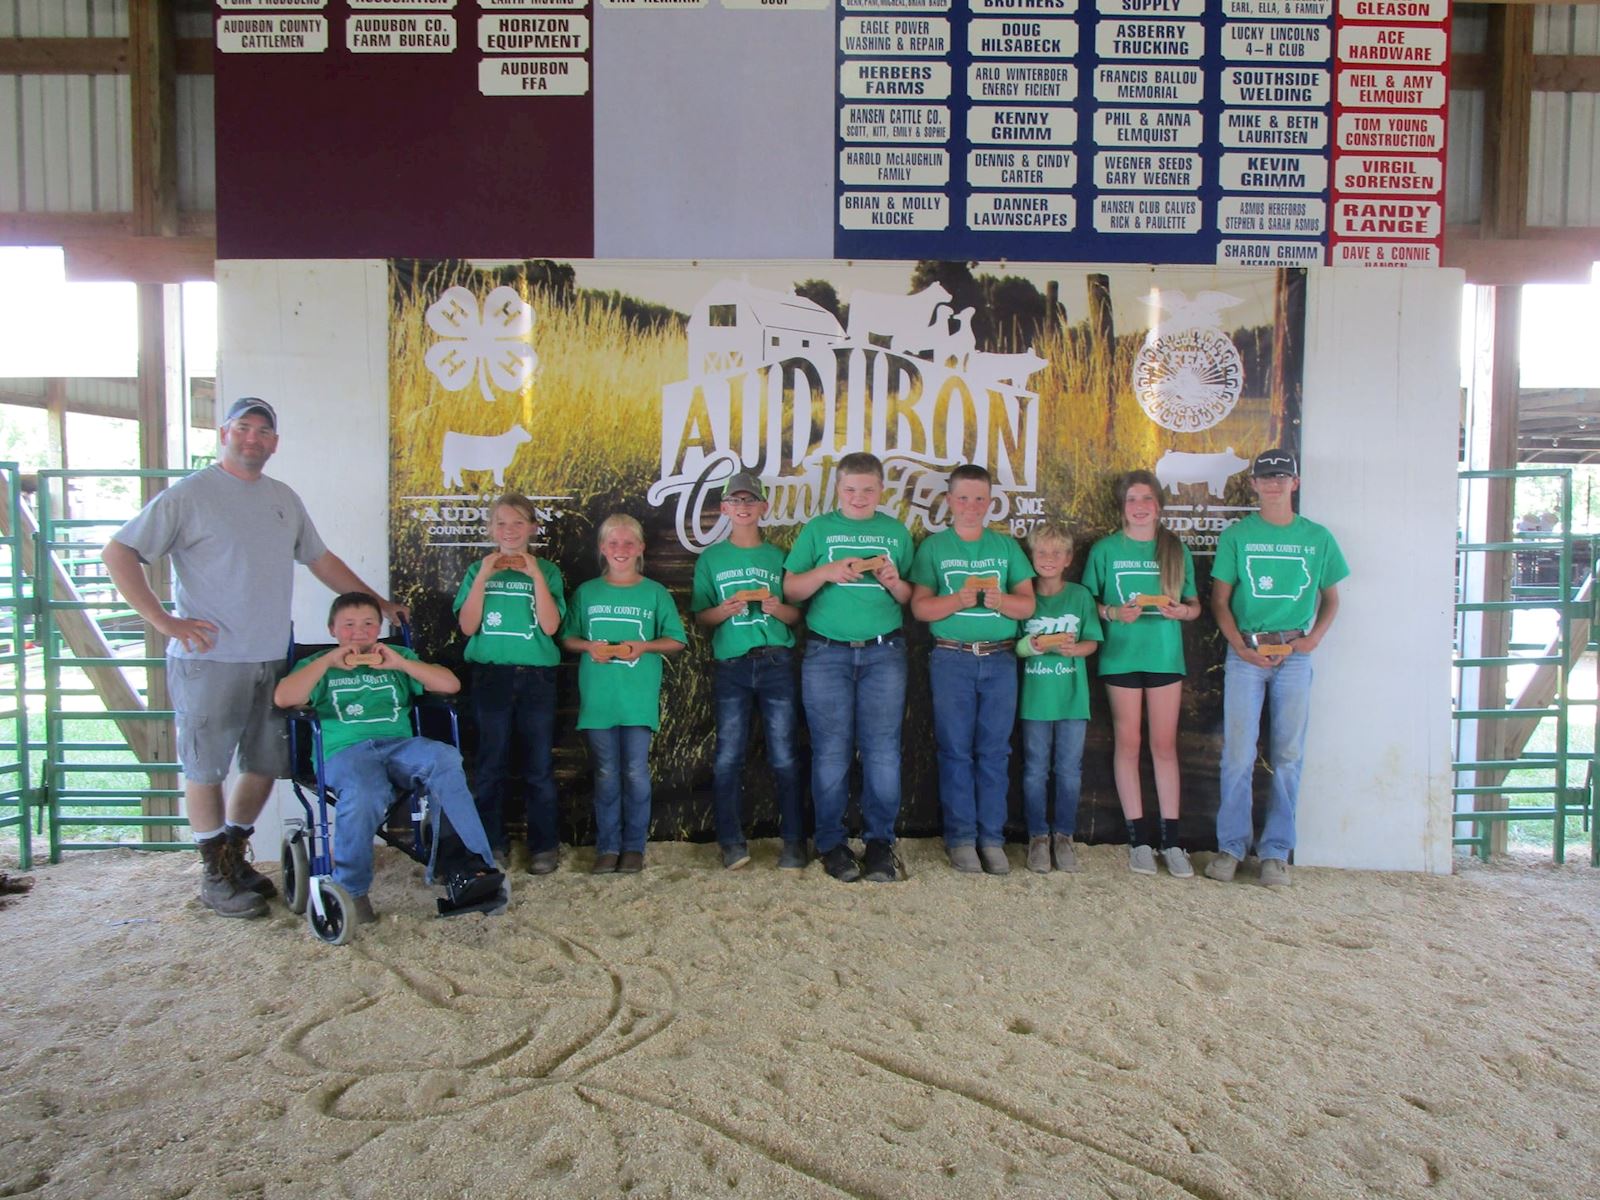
(246, 877)
(218, 891)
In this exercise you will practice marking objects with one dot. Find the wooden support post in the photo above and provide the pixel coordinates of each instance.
(1102, 351)
(1499, 500)
(55, 400)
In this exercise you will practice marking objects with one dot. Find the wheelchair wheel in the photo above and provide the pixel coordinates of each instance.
(335, 923)
(296, 863)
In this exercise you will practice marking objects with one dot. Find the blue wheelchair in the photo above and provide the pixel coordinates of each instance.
(307, 852)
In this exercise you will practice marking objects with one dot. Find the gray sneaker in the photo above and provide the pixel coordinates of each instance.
(544, 862)
(964, 859)
(1275, 873)
(1039, 855)
(735, 855)
(1142, 860)
(1066, 853)
(793, 857)
(1177, 860)
(994, 860)
(1221, 867)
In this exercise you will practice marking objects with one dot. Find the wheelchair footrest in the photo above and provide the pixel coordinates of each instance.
(470, 893)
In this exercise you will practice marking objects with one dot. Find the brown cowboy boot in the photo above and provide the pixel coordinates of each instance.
(246, 877)
(218, 891)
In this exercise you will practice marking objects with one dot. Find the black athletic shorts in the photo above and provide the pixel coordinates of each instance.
(1140, 679)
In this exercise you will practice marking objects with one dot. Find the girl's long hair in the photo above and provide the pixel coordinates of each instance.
(1169, 549)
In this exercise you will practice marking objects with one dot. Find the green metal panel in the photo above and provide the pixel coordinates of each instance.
(1567, 712)
(95, 787)
(16, 624)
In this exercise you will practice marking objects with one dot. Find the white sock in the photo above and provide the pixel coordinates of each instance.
(205, 835)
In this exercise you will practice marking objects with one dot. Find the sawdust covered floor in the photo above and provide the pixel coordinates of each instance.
(691, 1032)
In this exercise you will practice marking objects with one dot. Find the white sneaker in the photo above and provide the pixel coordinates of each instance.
(1142, 860)
(1177, 860)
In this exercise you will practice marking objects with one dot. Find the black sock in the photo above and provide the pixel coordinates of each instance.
(1169, 832)
(1135, 832)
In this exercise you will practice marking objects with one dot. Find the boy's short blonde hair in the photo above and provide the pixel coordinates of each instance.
(1050, 533)
(619, 521)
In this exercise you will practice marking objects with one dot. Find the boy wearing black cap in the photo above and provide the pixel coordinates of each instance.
(738, 595)
(1274, 594)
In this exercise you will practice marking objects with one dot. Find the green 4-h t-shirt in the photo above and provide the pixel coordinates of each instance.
(357, 703)
(617, 693)
(944, 563)
(509, 631)
(725, 569)
(1277, 572)
(851, 612)
(1117, 569)
(1055, 687)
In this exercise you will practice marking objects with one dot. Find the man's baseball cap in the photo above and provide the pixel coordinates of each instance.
(1274, 462)
(252, 404)
(744, 481)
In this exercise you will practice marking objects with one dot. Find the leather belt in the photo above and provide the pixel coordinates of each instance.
(1274, 639)
(760, 652)
(883, 639)
(977, 649)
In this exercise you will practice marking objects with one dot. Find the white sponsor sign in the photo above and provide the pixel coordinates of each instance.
(1150, 39)
(1435, 11)
(895, 5)
(1387, 218)
(1302, 86)
(890, 80)
(1022, 168)
(1146, 83)
(1412, 174)
(1391, 89)
(989, 37)
(400, 33)
(1147, 214)
(1147, 171)
(533, 77)
(1022, 81)
(1150, 8)
(894, 123)
(548, 33)
(1276, 41)
(1271, 129)
(1147, 127)
(920, 211)
(879, 165)
(895, 35)
(1255, 216)
(1015, 212)
(272, 35)
(1300, 10)
(1272, 172)
(1389, 132)
(1375, 46)
(1385, 254)
(1265, 253)
(1022, 126)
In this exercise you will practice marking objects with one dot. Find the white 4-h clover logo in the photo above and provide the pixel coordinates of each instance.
(355, 710)
(1266, 583)
(493, 620)
(493, 345)
(1188, 374)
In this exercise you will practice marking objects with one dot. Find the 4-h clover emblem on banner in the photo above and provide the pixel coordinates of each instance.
(489, 345)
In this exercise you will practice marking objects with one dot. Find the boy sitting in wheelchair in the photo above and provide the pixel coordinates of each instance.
(362, 692)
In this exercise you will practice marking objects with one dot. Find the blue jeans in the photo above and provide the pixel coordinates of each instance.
(621, 757)
(1047, 745)
(367, 776)
(516, 704)
(764, 681)
(1287, 690)
(974, 711)
(855, 699)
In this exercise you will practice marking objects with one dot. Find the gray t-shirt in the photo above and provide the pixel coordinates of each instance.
(233, 543)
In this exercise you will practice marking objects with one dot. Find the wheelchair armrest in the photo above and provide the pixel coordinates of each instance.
(302, 712)
(436, 700)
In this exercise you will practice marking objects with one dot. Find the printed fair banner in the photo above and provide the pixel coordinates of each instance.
(595, 387)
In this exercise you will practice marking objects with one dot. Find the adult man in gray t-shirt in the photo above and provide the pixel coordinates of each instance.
(234, 536)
